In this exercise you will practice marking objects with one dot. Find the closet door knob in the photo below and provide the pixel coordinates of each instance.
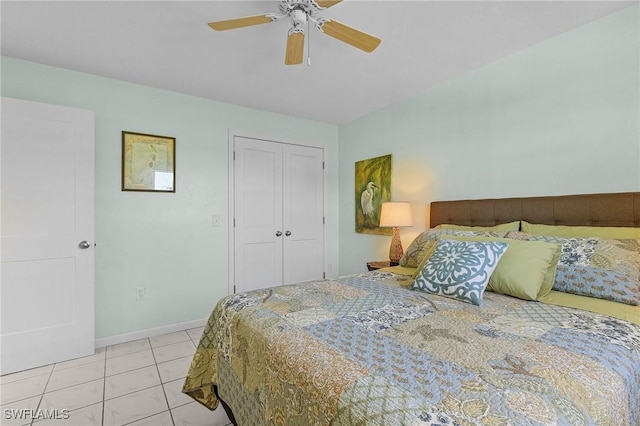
(287, 233)
(278, 233)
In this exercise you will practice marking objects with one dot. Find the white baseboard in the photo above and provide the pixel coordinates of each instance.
(149, 332)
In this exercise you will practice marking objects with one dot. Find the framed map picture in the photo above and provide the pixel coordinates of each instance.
(148, 162)
(373, 187)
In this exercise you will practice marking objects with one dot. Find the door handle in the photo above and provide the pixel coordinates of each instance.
(287, 233)
(278, 233)
(84, 245)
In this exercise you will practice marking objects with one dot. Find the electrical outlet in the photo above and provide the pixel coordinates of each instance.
(141, 293)
(216, 220)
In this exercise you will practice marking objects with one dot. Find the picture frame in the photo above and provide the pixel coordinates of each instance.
(148, 162)
(372, 188)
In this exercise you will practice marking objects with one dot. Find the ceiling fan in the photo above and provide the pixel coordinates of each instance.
(302, 12)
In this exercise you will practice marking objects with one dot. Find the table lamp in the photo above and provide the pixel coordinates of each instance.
(395, 214)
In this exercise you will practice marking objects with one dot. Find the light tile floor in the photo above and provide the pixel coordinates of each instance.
(136, 383)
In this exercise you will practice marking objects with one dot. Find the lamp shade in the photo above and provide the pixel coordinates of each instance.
(396, 214)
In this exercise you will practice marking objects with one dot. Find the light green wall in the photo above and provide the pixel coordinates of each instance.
(165, 242)
(561, 117)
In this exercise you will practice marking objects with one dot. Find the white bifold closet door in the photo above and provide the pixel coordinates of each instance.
(278, 213)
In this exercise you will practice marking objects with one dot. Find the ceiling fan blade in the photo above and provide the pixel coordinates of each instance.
(327, 3)
(349, 35)
(295, 47)
(247, 21)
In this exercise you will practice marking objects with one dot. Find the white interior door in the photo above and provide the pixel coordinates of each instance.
(303, 211)
(47, 201)
(258, 214)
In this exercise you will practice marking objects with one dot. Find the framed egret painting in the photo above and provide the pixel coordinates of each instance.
(373, 187)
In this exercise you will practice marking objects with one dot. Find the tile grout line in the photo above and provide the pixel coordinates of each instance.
(132, 392)
(172, 343)
(70, 386)
(128, 353)
(148, 417)
(104, 385)
(164, 392)
(43, 392)
(151, 347)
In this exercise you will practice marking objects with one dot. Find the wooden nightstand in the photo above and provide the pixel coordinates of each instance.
(372, 266)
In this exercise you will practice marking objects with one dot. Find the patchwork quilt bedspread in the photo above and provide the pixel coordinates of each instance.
(363, 349)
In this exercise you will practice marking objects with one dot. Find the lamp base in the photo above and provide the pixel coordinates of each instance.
(395, 250)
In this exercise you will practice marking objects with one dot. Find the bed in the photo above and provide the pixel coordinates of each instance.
(378, 348)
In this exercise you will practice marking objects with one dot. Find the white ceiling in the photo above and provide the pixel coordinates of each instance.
(168, 45)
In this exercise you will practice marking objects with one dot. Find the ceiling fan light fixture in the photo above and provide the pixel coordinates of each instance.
(298, 17)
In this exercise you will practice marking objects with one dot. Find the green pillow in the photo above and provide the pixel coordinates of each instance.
(427, 254)
(526, 271)
(503, 227)
(581, 231)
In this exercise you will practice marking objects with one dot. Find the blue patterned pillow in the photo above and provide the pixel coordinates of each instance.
(597, 267)
(578, 251)
(617, 286)
(460, 269)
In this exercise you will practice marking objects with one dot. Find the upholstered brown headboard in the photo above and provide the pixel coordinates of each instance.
(614, 209)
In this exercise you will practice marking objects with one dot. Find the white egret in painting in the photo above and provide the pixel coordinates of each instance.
(366, 199)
